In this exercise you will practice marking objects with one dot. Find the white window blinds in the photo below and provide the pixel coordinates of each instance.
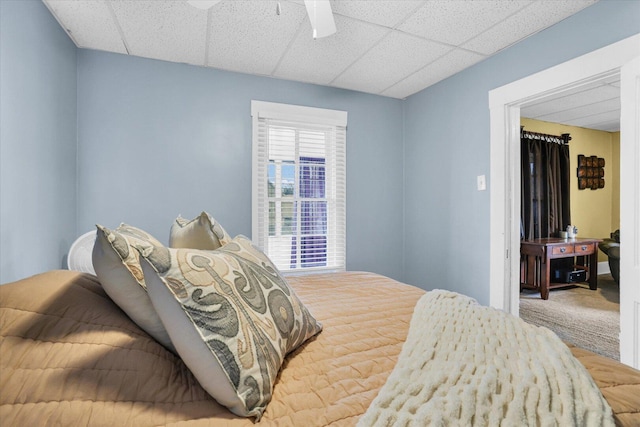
(299, 186)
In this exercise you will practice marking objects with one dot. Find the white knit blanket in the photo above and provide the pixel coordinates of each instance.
(468, 365)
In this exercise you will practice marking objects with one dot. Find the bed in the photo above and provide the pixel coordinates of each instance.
(70, 356)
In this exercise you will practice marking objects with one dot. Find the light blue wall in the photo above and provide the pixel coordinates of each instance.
(37, 141)
(158, 139)
(446, 143)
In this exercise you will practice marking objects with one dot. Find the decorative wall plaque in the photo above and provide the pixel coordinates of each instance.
(590, 172)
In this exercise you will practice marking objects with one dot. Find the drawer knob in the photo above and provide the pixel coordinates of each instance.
(584, 248)
(563, 250)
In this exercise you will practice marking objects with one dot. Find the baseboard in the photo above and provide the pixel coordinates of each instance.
(603, 268)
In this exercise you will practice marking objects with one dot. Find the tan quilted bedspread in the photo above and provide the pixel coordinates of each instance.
(69, 356)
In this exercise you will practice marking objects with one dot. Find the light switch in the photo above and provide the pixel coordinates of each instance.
(482, 183)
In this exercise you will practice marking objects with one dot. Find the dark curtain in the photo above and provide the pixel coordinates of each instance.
(545, 186)
(313, 218)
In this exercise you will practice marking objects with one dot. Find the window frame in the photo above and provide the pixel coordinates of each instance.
(305, 116)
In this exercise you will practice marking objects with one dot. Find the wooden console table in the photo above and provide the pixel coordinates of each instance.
(536, 256)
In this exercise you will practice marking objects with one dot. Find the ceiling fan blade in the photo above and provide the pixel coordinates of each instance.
(203, 4)
(321, 17)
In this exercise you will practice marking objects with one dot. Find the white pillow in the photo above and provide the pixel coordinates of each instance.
(202, 232)
(232, 318)
(117, 265)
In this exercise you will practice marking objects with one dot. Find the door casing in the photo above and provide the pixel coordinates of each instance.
(504, 104)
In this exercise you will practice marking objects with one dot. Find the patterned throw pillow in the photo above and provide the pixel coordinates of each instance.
(202, 232)
(117, 265)
(232, 318)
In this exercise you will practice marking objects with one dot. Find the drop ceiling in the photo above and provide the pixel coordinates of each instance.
(389, 48)
(593, 106)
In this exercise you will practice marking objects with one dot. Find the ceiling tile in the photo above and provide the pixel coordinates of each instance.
(89, 23)
(320, 61)
(455, 22)
(396, 47)
(167, 30)
(590, 121)
(608, 126)
(397, 56)
(599, 89)
(250, 37)
(388, 13)
(451, 63)
(586, 95)
(536, 17)
(582, 111)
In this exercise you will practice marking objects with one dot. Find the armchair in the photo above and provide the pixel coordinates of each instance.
(611, 247)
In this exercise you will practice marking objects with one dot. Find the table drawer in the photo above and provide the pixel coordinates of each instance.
(562, 250)
(584, 248)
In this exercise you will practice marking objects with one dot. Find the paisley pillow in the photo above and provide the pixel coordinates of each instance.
(202, 232)
(232, 318)
(117, 265)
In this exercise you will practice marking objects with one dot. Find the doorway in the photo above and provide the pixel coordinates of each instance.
(505, 105)
(578, 315)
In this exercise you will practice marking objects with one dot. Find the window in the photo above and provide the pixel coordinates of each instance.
(299, 185)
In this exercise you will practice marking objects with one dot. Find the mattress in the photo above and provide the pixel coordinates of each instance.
(70, 356)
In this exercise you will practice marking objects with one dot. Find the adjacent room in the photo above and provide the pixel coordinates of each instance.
(589, 319)
(239, 212)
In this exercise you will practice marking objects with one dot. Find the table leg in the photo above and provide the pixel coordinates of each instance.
(593, 271)
(545, 277)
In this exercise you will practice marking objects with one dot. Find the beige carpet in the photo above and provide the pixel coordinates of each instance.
(585, 318)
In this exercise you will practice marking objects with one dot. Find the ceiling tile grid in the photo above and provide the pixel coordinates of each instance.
(395, 57)
(241, 36)
(453, 62)
(88, 23)
(529, 20)
(165, 30)
(573, 112)
(586, 96)
(392, 48)
(455, 22)
(593, 105)
(321, 61)
(387, 13)
(595, 120)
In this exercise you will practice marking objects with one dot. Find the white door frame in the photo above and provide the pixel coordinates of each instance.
(504, 104)
(630, 214)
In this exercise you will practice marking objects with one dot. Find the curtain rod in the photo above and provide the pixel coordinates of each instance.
(562, 139)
